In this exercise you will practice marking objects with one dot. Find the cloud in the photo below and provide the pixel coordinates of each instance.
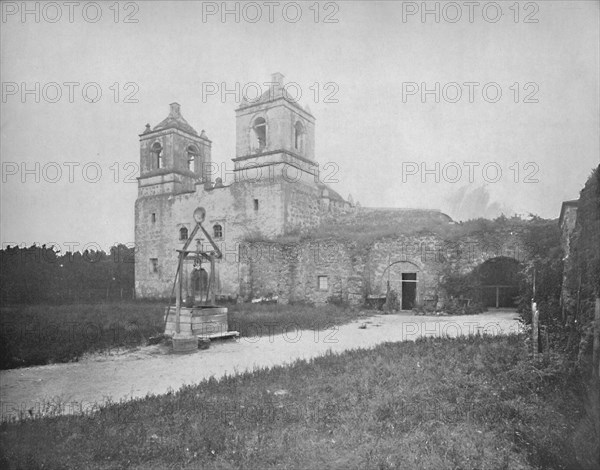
(469, 202)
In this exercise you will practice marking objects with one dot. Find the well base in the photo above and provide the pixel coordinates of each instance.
(184, 343)
(197, 321)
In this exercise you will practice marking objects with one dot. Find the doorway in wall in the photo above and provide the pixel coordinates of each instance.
(409, 290)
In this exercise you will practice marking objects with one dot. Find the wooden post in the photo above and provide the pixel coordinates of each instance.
(596, 350)
(546, 344)
(595, 383)
(386, 306)
(387, 292)
(178, 294)
(497, 297)
(535, 317)
(212, 280)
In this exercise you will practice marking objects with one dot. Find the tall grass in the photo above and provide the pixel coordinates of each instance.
(268, 319)
(41, 334)
(469, 403)
(33, 335)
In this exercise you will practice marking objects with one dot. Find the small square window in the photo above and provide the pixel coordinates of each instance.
(256, 204)
(322, 282)
(153, 265)
(153, 217)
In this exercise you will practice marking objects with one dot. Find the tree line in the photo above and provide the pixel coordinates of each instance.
(39, 274)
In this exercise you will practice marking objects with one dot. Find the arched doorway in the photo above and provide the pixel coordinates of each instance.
(402, 277)
(499, 280)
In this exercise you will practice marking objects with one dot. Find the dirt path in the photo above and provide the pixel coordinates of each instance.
(84, 385)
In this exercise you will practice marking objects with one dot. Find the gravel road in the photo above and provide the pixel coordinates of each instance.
(84, 385)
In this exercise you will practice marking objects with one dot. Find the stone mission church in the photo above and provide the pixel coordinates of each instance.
(275, 189)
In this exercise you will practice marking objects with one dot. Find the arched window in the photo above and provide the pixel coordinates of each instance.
(299, 136)
(157, 155)
(260, 134)
(183, 233)
(192, 154)
(217, 231)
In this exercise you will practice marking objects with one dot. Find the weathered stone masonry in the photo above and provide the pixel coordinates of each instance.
(355, 270)
(276, 192)
(276, 188)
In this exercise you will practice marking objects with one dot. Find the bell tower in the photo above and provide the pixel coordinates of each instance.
(274, 131)
(173, 156)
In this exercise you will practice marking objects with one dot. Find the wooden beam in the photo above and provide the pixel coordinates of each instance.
(535, 317)
(214, 245)
(596, 344)
(178, 293)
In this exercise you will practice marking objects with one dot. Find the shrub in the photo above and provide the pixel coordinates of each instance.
(459, 306)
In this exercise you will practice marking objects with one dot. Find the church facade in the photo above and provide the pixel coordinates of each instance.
(275, 189)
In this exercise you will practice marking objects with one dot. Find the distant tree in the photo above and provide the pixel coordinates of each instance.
(41, 274)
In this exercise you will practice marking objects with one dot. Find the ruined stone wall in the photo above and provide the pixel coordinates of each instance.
(466, 253)
(291, 271)
(302, 205)
(405, 254)
(355, 270)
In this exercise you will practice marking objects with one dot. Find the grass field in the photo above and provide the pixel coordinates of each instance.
(42, 334)
(265, 319)
(434, 404)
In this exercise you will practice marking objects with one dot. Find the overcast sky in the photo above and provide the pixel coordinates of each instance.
(376, 139)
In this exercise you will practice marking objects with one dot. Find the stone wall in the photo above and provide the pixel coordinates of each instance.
(174, 155)
(231, 207)
(390, 258)
(355, 270)
(245, 210)
(302, 206)
(292, 270)
(281, 117)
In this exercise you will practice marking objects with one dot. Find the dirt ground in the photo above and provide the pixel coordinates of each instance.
(116, 376)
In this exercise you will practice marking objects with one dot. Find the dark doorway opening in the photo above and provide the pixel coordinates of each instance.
(199, 284)
(499, 279)
(409, 290)
(499, 296)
